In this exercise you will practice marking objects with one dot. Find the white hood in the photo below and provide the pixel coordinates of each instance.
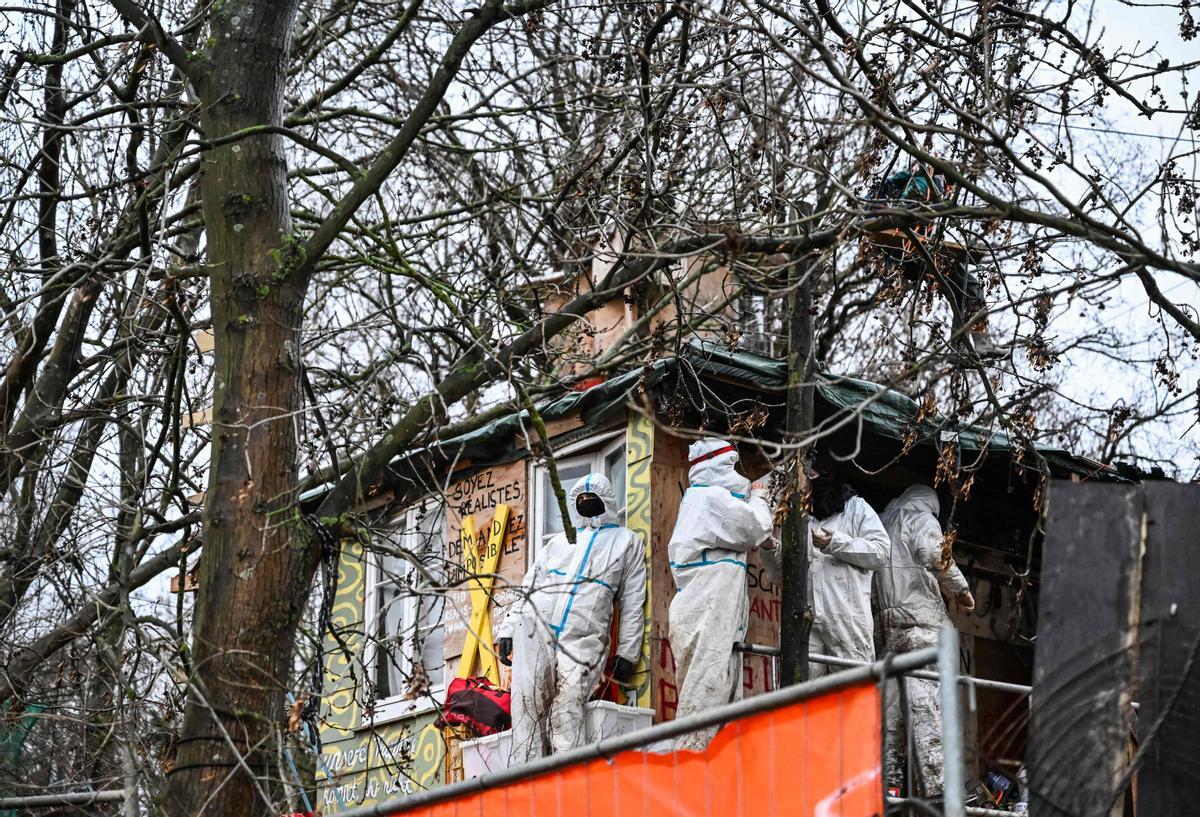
(717, 471)
(599, 485)
(917, 498)
(910, 585)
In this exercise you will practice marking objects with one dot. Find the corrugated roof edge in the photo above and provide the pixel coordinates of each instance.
(594, 404)
(886, 411)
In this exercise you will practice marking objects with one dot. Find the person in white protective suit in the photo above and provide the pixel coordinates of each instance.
(556, 635)
(847, 543)
(909, 589)
(721, 518)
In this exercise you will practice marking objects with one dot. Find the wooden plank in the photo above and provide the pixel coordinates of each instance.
(200, 417)
(766, 599)
(561, 425)
(478, 496)
(191, 581)
(668, 476)
(896, 239)
(204, 340)
(1086, 649)
(640, 491)
(765, 606)
(1169, 690)
(554, 428)
(380, 500)
(480, 565)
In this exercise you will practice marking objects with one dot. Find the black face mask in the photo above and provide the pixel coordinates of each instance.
(589, 505)
(829, 496)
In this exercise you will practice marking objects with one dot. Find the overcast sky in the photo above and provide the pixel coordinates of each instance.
(1146, 144)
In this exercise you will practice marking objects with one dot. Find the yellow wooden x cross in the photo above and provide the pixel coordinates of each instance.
(481, 575)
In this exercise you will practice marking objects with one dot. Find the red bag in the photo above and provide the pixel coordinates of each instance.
(477, 703)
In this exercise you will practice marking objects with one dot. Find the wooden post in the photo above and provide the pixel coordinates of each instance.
(795, 616)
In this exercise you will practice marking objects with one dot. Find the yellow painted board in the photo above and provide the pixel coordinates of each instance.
(639, 451)
(481, 578)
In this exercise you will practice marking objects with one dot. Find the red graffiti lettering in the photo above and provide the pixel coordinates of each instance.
(768, 674)
(668, 700)
(666, 658)
(668, 693)
(766, 609)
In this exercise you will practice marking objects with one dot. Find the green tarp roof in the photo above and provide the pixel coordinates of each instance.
(594, 404)
(883, 411)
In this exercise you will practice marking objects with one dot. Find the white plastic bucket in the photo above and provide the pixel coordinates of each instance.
(601, 720)
(486, 754)
(604, 719)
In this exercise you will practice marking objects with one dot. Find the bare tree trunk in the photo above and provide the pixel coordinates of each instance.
(795, 617)
(257, 562)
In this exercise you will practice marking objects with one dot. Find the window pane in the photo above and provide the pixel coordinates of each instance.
(428, 541)
(392, 566)
(614, 469)
(567, 474)
(392, 668)
(410, 604)
(432, 608)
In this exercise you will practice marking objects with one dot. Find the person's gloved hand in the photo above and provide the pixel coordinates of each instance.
(504, 648)
(965, 601)
(622, 671)
(761, 488)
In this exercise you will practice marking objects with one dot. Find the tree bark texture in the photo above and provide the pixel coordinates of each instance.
(257, 561)
(794, 622)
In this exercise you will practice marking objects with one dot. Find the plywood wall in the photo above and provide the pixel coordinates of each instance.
(669, 482)
(477, 496)
(669, 478)
(763, 629)
(707, 296)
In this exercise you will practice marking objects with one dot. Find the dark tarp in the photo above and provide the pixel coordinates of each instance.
(883, 411)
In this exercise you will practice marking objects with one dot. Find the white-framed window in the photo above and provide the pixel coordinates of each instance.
(405, 605)
(603, 455)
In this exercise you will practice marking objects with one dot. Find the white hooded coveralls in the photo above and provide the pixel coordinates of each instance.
(912, 612)
(720, 521)
(840, 584)
(560, 625)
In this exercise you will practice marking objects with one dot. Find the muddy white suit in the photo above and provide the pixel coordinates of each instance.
(840, 584)
(720, 521)
(560, 625)
(911, 613)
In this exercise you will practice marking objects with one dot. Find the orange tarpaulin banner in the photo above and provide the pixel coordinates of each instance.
(818, 758)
